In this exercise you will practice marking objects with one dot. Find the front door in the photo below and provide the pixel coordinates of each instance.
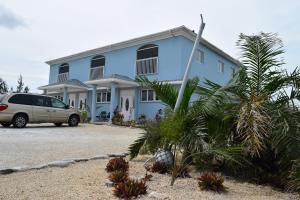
(127, 108)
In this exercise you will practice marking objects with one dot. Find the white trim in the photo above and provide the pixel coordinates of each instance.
(91, 68)
(60, 86)
(111, 80)
(178, 31)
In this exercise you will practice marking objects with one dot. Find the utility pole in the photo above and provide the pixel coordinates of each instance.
(189, 65)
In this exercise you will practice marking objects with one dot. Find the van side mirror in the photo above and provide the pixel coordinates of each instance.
(67, 106)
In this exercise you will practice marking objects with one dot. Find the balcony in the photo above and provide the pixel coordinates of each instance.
(146, 66)
(96, 73)
(63, 77)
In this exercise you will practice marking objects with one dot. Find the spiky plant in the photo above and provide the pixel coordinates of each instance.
(211, 181)
(159, 167)
(130, 189)
(118, 176)
(117, 164)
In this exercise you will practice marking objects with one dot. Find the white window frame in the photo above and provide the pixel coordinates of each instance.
(200, 56)
(101, 93)
(221, 67)
(147, 100)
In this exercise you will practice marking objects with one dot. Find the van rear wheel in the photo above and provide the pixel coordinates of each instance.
(6, 125)
(20, 121)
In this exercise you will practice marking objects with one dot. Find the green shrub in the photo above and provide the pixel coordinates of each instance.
(117, 164)
(211, 181)
(130, 189)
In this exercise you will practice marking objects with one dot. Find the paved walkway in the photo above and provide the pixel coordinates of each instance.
(40, 144)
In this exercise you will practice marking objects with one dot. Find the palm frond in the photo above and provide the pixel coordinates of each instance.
(166, 92)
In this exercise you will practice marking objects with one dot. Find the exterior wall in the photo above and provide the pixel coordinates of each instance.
(173, 57)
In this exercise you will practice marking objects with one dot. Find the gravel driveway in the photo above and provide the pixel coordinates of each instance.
(40, 144)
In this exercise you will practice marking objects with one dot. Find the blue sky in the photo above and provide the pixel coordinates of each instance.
(34, 31)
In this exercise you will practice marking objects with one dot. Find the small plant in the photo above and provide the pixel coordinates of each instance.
(83, 116)
(181, 171)
(118, 176)
(130, 189)
(147, 177)
(142, 119)
(211, 181)
(159, 167)
(117, 164)
(118, 119)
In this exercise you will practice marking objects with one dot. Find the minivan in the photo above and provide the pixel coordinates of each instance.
(18, 109)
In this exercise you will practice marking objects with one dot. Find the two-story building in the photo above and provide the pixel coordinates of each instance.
(104, 78)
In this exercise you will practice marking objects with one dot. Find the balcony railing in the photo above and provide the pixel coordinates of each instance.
(63, 77)
(96, 73)
(146, 66)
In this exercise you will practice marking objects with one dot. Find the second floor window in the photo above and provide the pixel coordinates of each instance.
(103, 97)
(147, 60)
(200, 56)
(97, 67)
(63, 72)
(221, 66)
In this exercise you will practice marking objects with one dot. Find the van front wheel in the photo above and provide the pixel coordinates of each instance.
(73, 120)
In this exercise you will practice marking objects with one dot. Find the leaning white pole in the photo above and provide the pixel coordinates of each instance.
(188, 68)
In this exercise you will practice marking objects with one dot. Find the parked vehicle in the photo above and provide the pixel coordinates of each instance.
(19, 109)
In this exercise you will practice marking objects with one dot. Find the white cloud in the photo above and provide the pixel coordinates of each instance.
(8, 19)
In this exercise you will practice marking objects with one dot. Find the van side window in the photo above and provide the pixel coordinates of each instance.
(41, 101)
(57, 103)
(22, 99)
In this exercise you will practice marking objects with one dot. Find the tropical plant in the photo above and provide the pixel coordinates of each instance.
(159, 167)
(130, 189)
(211, 181)
(117, 164)
(118, 176)
(259, 109)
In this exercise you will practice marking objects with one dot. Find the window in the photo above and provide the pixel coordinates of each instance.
(21, 99)
(57, 103)
(147, 60)
(103, 97)
(200, 56)
(221, 67)
(97, 67)
(148, 95)
(63, 72)
(41, 101)
(232, 71)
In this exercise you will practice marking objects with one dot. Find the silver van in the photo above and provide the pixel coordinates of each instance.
(19, 109)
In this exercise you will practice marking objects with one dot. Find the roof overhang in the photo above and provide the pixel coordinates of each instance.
(60, 88)
(107, 82)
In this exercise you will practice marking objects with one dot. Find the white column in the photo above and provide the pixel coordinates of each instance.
(93, 109)
(66, 96)
(76, 104)
(112, 102)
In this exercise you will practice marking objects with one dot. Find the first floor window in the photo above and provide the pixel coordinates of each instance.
(103, 97)
(148, 95)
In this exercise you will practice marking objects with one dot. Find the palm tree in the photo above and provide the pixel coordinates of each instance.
(257, 109)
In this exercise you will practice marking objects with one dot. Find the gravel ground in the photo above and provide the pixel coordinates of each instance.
(40, 144)
(87, 181)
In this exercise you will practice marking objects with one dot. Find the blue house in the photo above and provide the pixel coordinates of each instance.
(104, 78)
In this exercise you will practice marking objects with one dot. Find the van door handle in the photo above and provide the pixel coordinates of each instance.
(48, 110)
(53, 110)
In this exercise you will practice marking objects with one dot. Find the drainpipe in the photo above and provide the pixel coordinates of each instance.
(189, 65)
